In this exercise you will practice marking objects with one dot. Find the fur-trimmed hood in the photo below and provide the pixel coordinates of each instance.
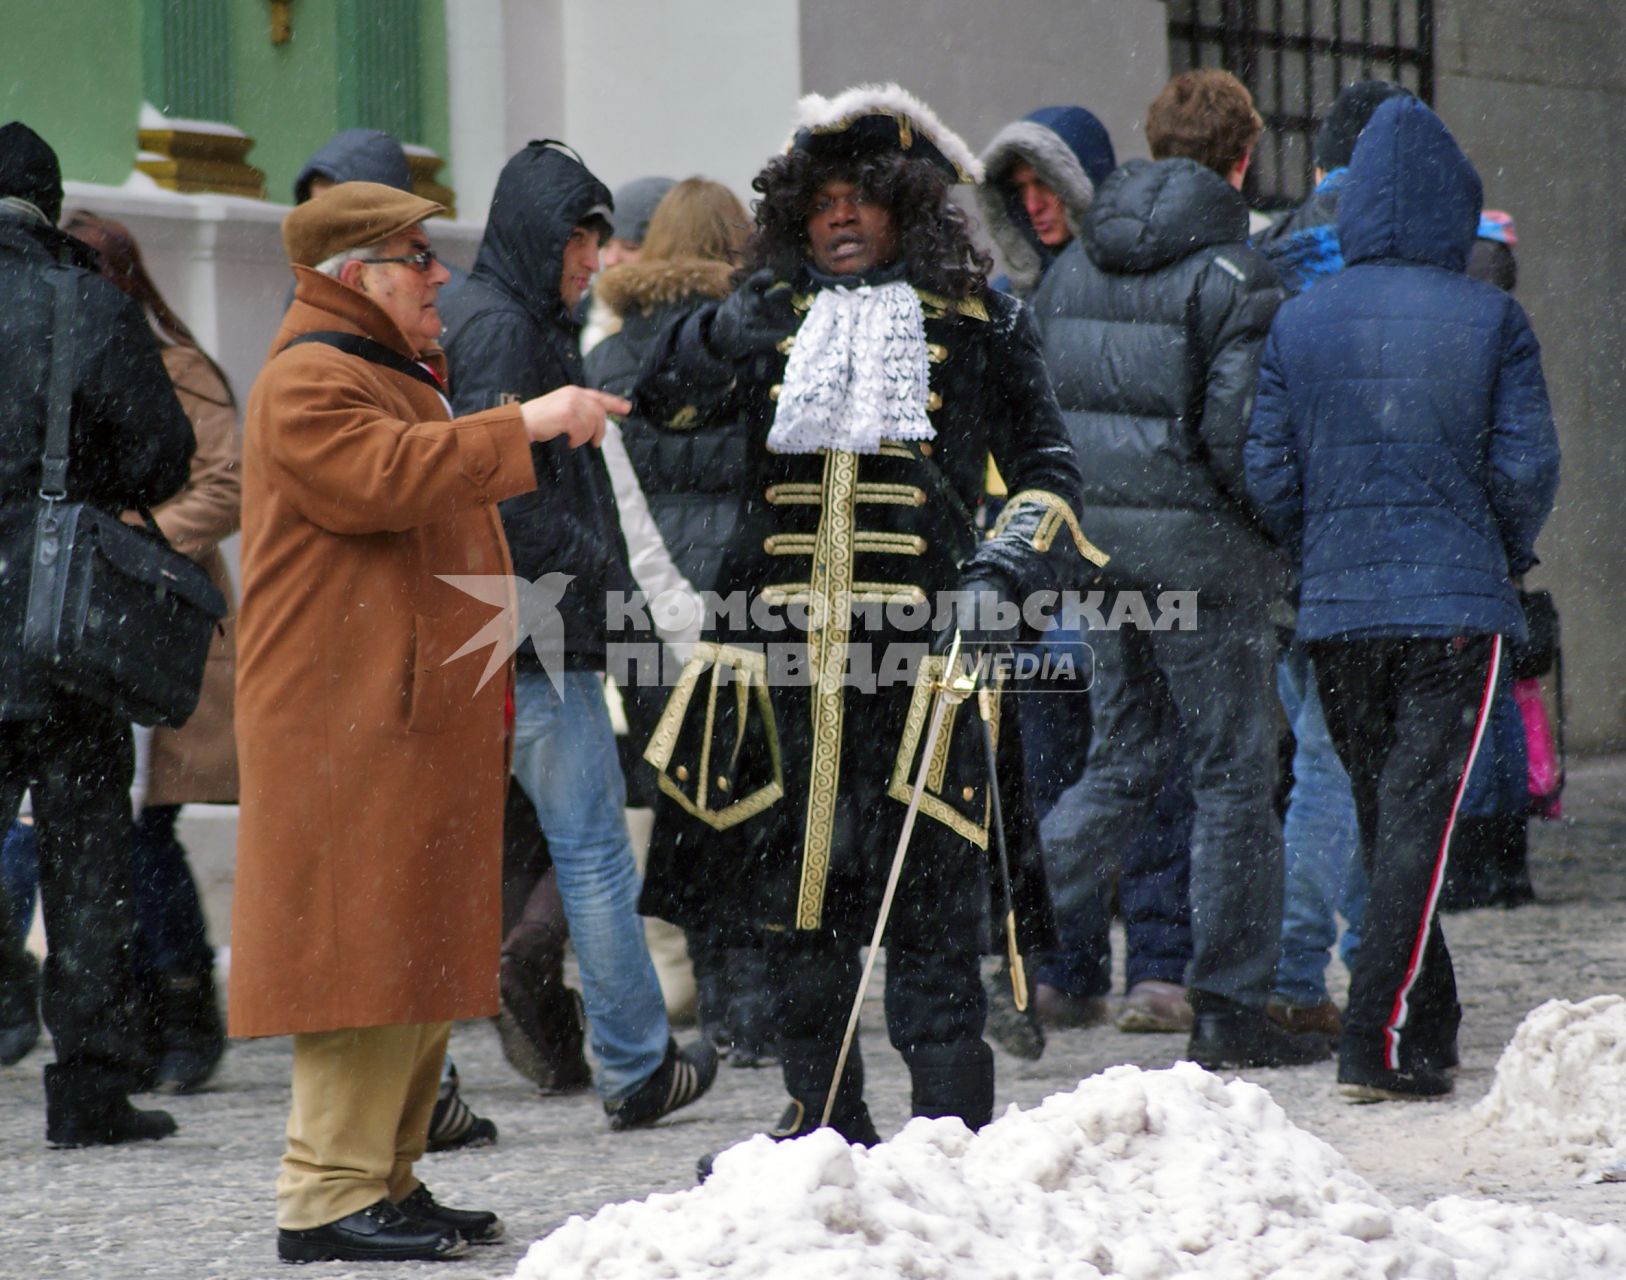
(882, 115)
(644, 286)
(1071, 152)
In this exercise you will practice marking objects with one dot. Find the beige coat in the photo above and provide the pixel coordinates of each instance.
(198, 761)
(373, 767)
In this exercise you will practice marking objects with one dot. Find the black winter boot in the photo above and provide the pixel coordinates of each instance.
(751, 1008)
(1512, 857)
(191, 1036)
(87, 1108)
(809, 1066)
(952, 1080)
(711, 990)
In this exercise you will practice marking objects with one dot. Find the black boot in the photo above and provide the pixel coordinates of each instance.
(751, 1008)
(809, 1066)
(711, 990)
(1227, 1034)
(19, 1010)
(87, 1108)
(191, 1035)
(954, 1079)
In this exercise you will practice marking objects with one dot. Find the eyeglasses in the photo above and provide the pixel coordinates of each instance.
(420, 261)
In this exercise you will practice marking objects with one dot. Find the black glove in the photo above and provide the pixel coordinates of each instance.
(740, 325)
(986, 616)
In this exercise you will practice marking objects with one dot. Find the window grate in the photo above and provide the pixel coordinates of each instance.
(381, 74)
(186, 58)
(1295, 56)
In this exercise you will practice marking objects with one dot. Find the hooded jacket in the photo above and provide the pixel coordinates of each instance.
(509, 337)
(356, 155)
(1402, 444)
(1070, 151)
(691, 479)
(129, 443)
(1152, 323)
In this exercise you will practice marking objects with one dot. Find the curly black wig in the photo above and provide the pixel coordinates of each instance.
(933, 233)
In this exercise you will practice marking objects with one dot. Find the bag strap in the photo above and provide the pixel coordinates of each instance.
(59, 392)
(374, 352)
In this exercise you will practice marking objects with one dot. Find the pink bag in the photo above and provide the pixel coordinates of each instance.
(1546, 768)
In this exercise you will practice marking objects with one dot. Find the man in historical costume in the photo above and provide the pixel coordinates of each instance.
(373, 764)
(878, 372)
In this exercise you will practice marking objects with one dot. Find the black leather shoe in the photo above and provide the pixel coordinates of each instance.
(378, 1233)
(1232, 1035)
(476, 1226)
(1415, 1084)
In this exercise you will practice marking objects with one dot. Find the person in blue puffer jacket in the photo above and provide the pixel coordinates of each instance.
(1402, 447)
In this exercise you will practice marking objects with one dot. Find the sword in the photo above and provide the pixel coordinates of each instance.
(953, 688)
(996, 818)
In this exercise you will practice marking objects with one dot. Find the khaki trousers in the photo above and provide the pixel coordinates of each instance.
(362, 1099)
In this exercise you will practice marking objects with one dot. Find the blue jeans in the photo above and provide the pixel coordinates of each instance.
(565, 759)
(1324, 873)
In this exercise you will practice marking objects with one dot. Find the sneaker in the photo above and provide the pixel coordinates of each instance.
(1017, 1031)
(683, 1076)
(1227, 1034)
(379, 1233)
(1152, 1007)
(1315, 1019)
(475, 1226)
(1415, 1084)
(452, 1126)
(1056, 1008)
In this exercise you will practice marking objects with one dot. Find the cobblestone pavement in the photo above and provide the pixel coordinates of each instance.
(198, 1205)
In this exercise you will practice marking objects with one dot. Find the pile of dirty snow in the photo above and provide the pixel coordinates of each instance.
(1135, 1174)
(1561, 1083)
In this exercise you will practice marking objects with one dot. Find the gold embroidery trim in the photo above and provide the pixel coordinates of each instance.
(892, 495)
(876, 542)
(830, 594)
(789, 544)
(901, 787)
(687, 416)
(787, 495)
(784, 593)
(1059, 515)
(753, 667)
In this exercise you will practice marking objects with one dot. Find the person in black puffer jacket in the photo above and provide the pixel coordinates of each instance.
(691, 481)
(511, 333)
(1152, 324)
(129, 445)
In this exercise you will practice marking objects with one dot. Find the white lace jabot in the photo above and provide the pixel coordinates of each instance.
(857, 373)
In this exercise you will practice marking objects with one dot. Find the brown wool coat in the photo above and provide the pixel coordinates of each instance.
(373, 769)
(197, 763)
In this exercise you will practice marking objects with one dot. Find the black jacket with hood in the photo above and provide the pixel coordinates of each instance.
(1152, 325)
(691, 479)
(129, 442)
(509, 337)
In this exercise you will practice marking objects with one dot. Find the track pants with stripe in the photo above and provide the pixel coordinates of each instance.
(1407, 717)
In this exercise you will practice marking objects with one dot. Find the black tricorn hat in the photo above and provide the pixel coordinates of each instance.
(881, 117)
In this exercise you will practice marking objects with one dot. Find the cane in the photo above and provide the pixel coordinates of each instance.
(996, 819)
(952, 688)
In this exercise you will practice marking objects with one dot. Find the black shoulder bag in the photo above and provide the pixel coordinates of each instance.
(115, 614)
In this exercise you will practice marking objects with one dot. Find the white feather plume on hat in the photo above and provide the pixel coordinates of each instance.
(817, 115)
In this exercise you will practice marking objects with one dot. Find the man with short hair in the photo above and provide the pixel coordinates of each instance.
(1152, 324)
(511, 333)
(372, 754)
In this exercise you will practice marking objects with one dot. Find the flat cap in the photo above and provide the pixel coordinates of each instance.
(349, 216)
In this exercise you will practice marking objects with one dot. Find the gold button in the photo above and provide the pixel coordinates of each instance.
(682, 773)
(936, 352)
(773, 391)
(722, 783)
(967, 792)
(934, 402)
(925, 448)
(784, 344)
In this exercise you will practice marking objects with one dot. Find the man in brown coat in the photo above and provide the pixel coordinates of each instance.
(373, 762)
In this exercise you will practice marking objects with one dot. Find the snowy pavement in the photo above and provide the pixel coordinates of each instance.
(199, 1205)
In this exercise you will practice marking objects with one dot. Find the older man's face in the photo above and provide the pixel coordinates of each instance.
(848, 233)
(403, 291)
